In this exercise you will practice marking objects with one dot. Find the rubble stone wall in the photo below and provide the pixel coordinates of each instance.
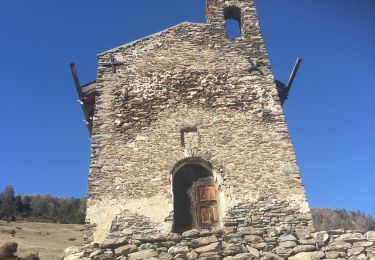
(232, 244)
(190, 76)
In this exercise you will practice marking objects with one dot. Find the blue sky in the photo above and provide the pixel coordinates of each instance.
(44, 146)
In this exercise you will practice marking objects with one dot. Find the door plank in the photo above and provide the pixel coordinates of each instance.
(207, 193)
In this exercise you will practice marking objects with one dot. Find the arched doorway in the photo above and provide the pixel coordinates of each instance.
(195, 197)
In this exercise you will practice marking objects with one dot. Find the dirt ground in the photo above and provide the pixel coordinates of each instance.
(48, 239)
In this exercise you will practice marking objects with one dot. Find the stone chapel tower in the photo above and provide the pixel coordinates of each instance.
(188, 132)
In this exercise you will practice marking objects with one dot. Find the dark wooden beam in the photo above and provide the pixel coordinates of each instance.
(76, 81)
(293, 74)
(81, 96)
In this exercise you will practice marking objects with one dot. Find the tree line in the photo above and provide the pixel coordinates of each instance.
(41, 208)
(330, 219)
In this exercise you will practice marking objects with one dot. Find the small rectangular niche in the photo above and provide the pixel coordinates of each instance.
(189, 137)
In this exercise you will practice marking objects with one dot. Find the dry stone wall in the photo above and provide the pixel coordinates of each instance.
(191, 76)
(234, 244)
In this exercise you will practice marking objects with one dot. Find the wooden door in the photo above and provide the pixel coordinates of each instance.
(204, 204)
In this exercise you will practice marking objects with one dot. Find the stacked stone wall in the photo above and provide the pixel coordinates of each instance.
(234, 244)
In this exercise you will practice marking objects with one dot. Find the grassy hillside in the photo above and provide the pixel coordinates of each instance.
(48, 239)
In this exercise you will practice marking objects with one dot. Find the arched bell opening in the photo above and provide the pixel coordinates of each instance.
(232, 16)
(195, 197)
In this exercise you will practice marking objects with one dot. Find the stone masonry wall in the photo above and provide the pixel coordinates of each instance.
(232, 244)
(190, 76)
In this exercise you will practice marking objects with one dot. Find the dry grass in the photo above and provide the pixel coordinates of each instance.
(48, 239)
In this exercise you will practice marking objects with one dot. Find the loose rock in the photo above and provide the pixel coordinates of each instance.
(214, 247)
(125, 250)
(304, 248)
(143, 254)
(370, 236)
(307, 256)
(203, 241)
(190, 233)
(165, 256)
(288, 237)
(174, 250)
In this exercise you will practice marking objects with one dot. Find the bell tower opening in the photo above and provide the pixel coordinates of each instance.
(232, 16)
(195, 198)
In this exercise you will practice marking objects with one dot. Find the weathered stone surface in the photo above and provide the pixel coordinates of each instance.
(259, 245)
(332, 254)
(336, 232)
(355, 251)
(321, 237)
(253, 238)
(370, 236)
(144, 238)
(271, 240)
(165, 256)
(226, 230)
(287, 244)
(167, 244)
(209, 256)
(179, 257)
(355, 237)
(125, 250)
(242, 256)
(269, 248)
(106, 255)
(358, 257)
(96, 253)
(135, 242)
(288, 237)
(192, 255)
(307, 242)
(174, 250)
(284, 252)
(307, 256)
(146, 246)
(253, 252)
(303, 233)
(71, 250)
(231, 249)
(214, 247)
(338, 246)
(363, 244)
(303, 248)
(270, 256)
(175, 237)
(74, 256)
(203, 241)
(371, 251)
(231, 236)
(190, 233)
(108, 243)
(251, 231)
(143, 254)
(205, 233)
